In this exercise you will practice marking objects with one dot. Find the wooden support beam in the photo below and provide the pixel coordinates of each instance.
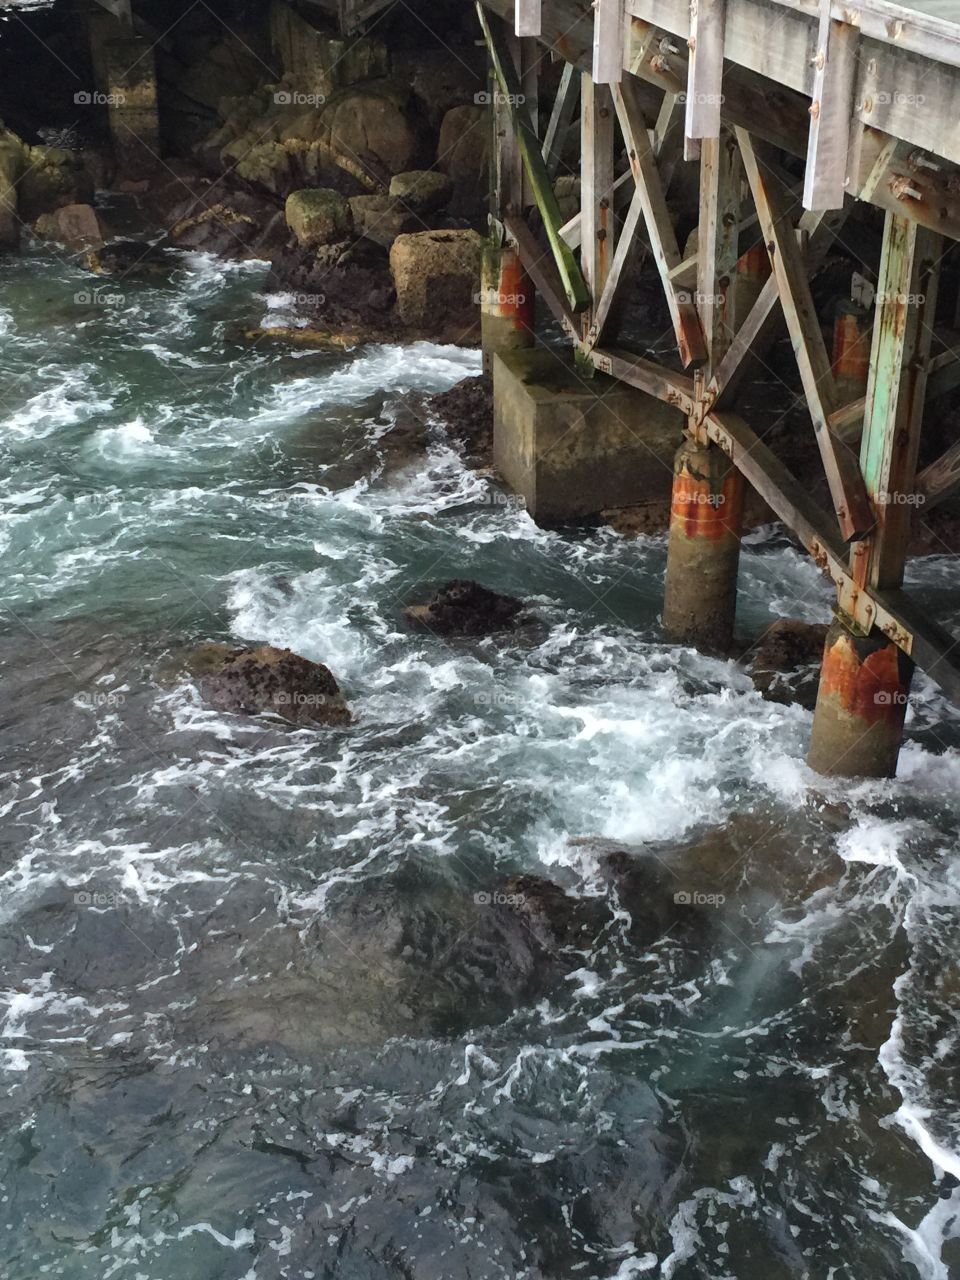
(596, 189)
(628, 245)
(892, 611)
(940, 480)
(760, 328)
(900, 353)
(662, 237)
(790, 272)
(704, 73)
(831, 112)
(528, 18)
(622, 194)
(575, 287)
(608, 41)
(673, 388)
(561, 118)
(718, 243)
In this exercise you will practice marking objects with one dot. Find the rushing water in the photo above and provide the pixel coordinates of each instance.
(213, 1068)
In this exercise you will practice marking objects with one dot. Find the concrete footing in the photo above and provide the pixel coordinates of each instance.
(861, 704)
(507, 303)
(851, 351)
(573, 447)
(703, 555)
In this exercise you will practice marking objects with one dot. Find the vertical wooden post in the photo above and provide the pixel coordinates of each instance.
(896, 390)
(720, 178)
(704, 73)
(865, 680)
(596, 198)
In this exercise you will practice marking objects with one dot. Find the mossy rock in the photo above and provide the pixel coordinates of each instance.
(422, 190)
(319, 217)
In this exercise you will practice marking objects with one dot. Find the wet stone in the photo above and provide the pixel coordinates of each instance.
(463, 607)
(273, 680)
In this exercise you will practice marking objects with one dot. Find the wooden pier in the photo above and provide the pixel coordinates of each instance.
(865, 94)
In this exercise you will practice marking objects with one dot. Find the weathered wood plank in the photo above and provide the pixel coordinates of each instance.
(704, 71)
(940, 480)
(843, 475)
(528, 18)
(764, 322)
(596, 188)
(718, 243)
(673, 388)
(900, 352)
(561, 118)
(660, 232)
(608, 41)
(831, 112)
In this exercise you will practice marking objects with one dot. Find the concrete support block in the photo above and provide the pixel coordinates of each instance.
(861, 705)
(703, 554)
(573, 447)
(507, 303)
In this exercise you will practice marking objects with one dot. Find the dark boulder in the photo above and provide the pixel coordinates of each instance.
(338, 286)
(466, 414)
(466, 608)
(249, 681)
(786, 661)
(129, 259)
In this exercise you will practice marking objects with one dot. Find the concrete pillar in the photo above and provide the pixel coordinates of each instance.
(851, 350)
(703, 554)
(753, 271)
(861, 705)
(507, 303)
(130, 76)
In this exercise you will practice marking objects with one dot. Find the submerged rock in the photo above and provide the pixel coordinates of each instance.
(137, 259)
(249, 681)
(466, 608)
(786, 662)
(466, 414)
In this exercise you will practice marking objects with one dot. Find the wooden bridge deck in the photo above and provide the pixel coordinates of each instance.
(867, 94)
